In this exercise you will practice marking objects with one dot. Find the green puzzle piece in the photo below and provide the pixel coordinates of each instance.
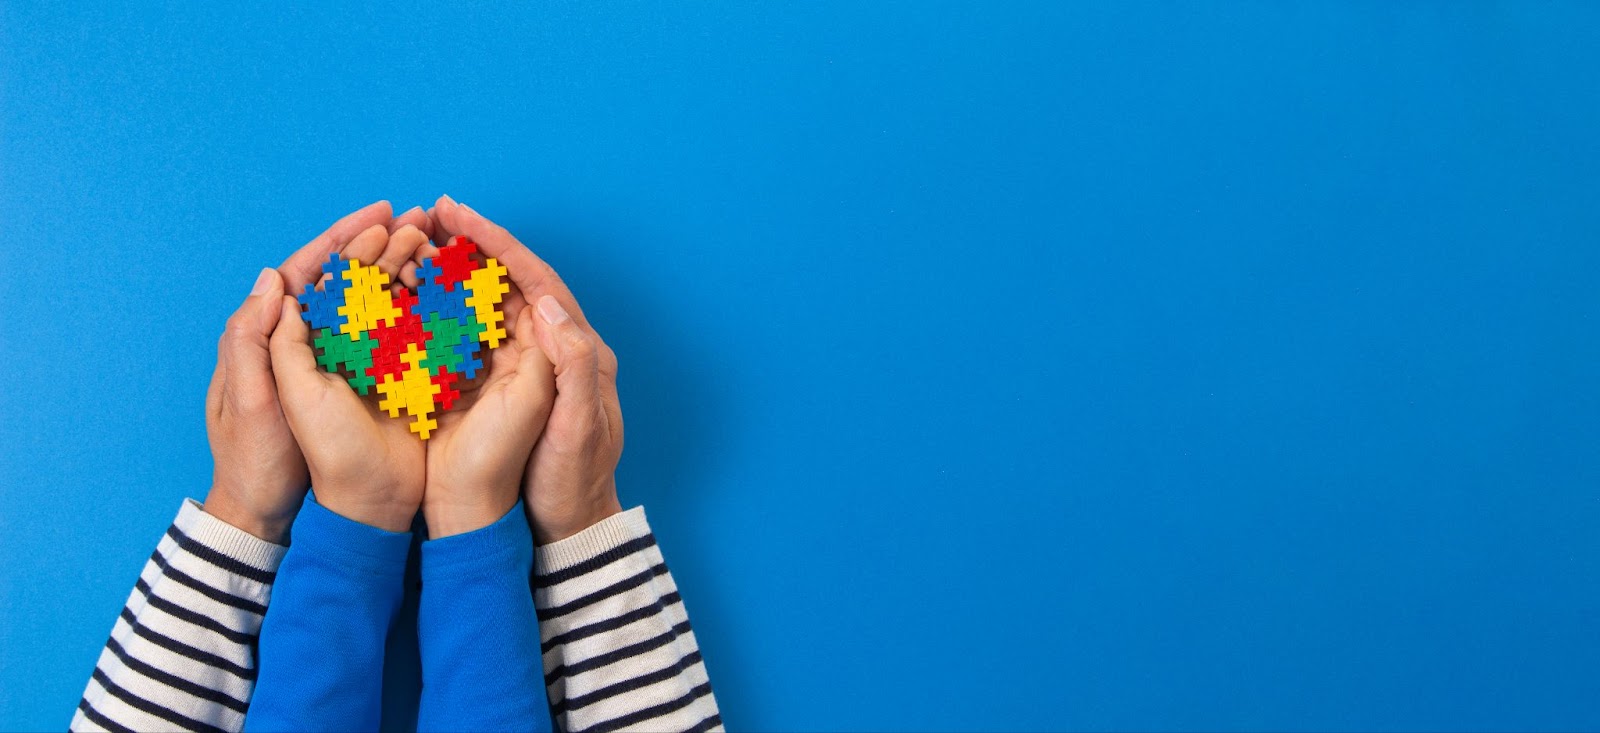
(339, 352)
(447, 333)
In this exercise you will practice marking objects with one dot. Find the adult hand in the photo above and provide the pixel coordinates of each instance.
(365, 465)
(259, 475)
(570, 478)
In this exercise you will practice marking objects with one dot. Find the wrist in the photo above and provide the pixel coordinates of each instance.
(553, 526)
(447, 517)
(224, 503)
(389, 515)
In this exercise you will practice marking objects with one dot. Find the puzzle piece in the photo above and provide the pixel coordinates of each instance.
(368, 303)
(468, 348)
(336, 268)
(488, 289)
(430, 299)
(440, 357)
(391, 345)
(455, 262)
(337, 353)
(321, 308)
(447, 393)
(435, 297)
(414, 392)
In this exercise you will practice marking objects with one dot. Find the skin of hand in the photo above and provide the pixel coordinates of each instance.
(570, 478)
(477, 456)
(365, 465)
(259, 474)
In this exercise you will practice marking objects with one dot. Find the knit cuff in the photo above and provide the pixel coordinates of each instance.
(508, 539)
(227, 539)
(605, 536)
(322, 533)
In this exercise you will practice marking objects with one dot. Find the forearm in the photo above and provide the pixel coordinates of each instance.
(321, 656)
(478, 633)
(182, 652)
(618, 648)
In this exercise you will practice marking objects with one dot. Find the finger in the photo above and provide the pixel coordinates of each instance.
(437, 237)
(402, 244)
(515, 307)
(437, 234)
(414, 216)
(294, 363)
(426, 252)
(529, 273)
(535, 380)
(368, 246)
(245, 362)
(572, 350)
(304, 267)
(408, 274)
(441, 233)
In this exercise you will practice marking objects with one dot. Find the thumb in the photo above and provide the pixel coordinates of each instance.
(243, 350)
(577, 369)
(534, 383)
(294, 364)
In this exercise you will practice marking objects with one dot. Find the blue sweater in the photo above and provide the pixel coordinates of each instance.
(338, 590)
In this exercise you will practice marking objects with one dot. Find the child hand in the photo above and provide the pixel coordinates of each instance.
(259, 475)
(365, 465)
(477, 455)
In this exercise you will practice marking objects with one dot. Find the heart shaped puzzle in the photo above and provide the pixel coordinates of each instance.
(411, 347)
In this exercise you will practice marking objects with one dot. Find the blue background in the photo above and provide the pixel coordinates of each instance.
(985, 365)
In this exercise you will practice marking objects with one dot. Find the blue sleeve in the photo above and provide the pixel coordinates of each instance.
(478, 633)
(321, 653)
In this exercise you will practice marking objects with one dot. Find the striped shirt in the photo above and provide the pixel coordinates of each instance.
(618, 650)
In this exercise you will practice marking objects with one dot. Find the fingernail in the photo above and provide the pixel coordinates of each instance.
(411, 210)
(551, 311)
(263, 282)
(447, 199)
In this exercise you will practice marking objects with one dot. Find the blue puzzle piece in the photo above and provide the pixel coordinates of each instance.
(454, 305)
(429, 274)
(470, 363)
(321, 308)
(339, 268)
(434, 300)
(430, 301)
(430, 294)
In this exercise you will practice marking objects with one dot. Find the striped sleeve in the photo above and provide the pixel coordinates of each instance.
(618, 650)
(182, 653)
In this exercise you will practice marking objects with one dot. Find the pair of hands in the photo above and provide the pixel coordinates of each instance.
(545, 423)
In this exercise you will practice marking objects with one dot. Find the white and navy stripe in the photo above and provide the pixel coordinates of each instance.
(619, 653)
(182, 652)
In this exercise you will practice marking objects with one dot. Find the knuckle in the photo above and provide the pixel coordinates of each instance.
(579, 347)
(249, 402)
(236, 330)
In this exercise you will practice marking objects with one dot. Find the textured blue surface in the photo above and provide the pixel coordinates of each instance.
(986, 365)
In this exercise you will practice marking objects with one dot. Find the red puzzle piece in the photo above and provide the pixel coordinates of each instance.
(454, 261)
(392, 341)
(447, 393)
